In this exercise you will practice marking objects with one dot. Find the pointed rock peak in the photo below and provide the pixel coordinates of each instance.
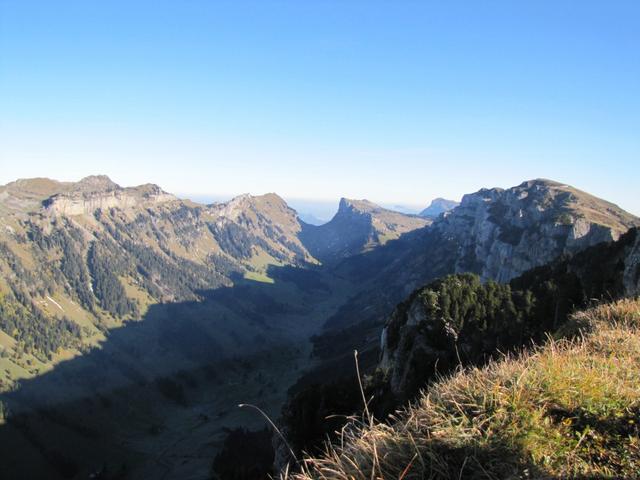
(348, 205)
(234, 207)
(96, 183)
(248, 198)
(270, 205)
(243, 197)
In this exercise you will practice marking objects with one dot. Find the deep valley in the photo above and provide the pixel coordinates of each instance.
(133, 323)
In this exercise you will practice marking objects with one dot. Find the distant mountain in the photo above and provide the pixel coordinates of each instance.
(500, 233)
(311, 219)
(358, 226)
(407, 210)
(437, 207)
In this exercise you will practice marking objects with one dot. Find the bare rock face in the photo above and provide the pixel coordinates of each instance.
(99, 192)
(421, 338)
(502, 233)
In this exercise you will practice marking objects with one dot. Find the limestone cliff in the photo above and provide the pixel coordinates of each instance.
(455, 320)
(502, 233)
(99, 192)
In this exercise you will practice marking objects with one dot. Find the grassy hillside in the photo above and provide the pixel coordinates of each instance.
(568, 409)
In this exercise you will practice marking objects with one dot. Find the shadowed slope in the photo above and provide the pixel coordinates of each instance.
(358, 226)
(155, 397)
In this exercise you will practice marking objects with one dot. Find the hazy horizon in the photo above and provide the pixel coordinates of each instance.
(321, 208)
(398, 103)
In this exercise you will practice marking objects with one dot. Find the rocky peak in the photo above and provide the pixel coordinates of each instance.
(541, 183)
(94, 184)
(501, 233)
(358, 226)
(438, 206)
(350, 206)
(269, 205)
(231, 209)
(248, 223)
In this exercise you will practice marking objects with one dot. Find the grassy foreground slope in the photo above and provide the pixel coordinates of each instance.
(570, 409)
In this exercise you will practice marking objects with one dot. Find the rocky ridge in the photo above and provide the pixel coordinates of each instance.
(99, 192)
(358, 226)
(90, 255)
(502, 233)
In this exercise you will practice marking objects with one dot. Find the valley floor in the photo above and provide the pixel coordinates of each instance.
(171, 423)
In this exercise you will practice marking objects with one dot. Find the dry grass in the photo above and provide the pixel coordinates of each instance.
(569, 409)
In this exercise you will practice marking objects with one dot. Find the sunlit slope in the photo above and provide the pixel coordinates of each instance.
(79, 259)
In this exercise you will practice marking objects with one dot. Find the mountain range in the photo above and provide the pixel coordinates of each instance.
(132, 321)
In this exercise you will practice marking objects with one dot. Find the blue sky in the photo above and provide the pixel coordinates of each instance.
(398, 102)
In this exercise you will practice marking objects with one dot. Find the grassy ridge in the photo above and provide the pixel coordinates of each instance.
(568, 409)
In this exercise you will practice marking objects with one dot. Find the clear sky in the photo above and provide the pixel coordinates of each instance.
(393, 101)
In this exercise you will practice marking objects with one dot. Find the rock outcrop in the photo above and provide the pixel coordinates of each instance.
(358, 226)
(502, 233)
(459, 319)
(99, 192)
